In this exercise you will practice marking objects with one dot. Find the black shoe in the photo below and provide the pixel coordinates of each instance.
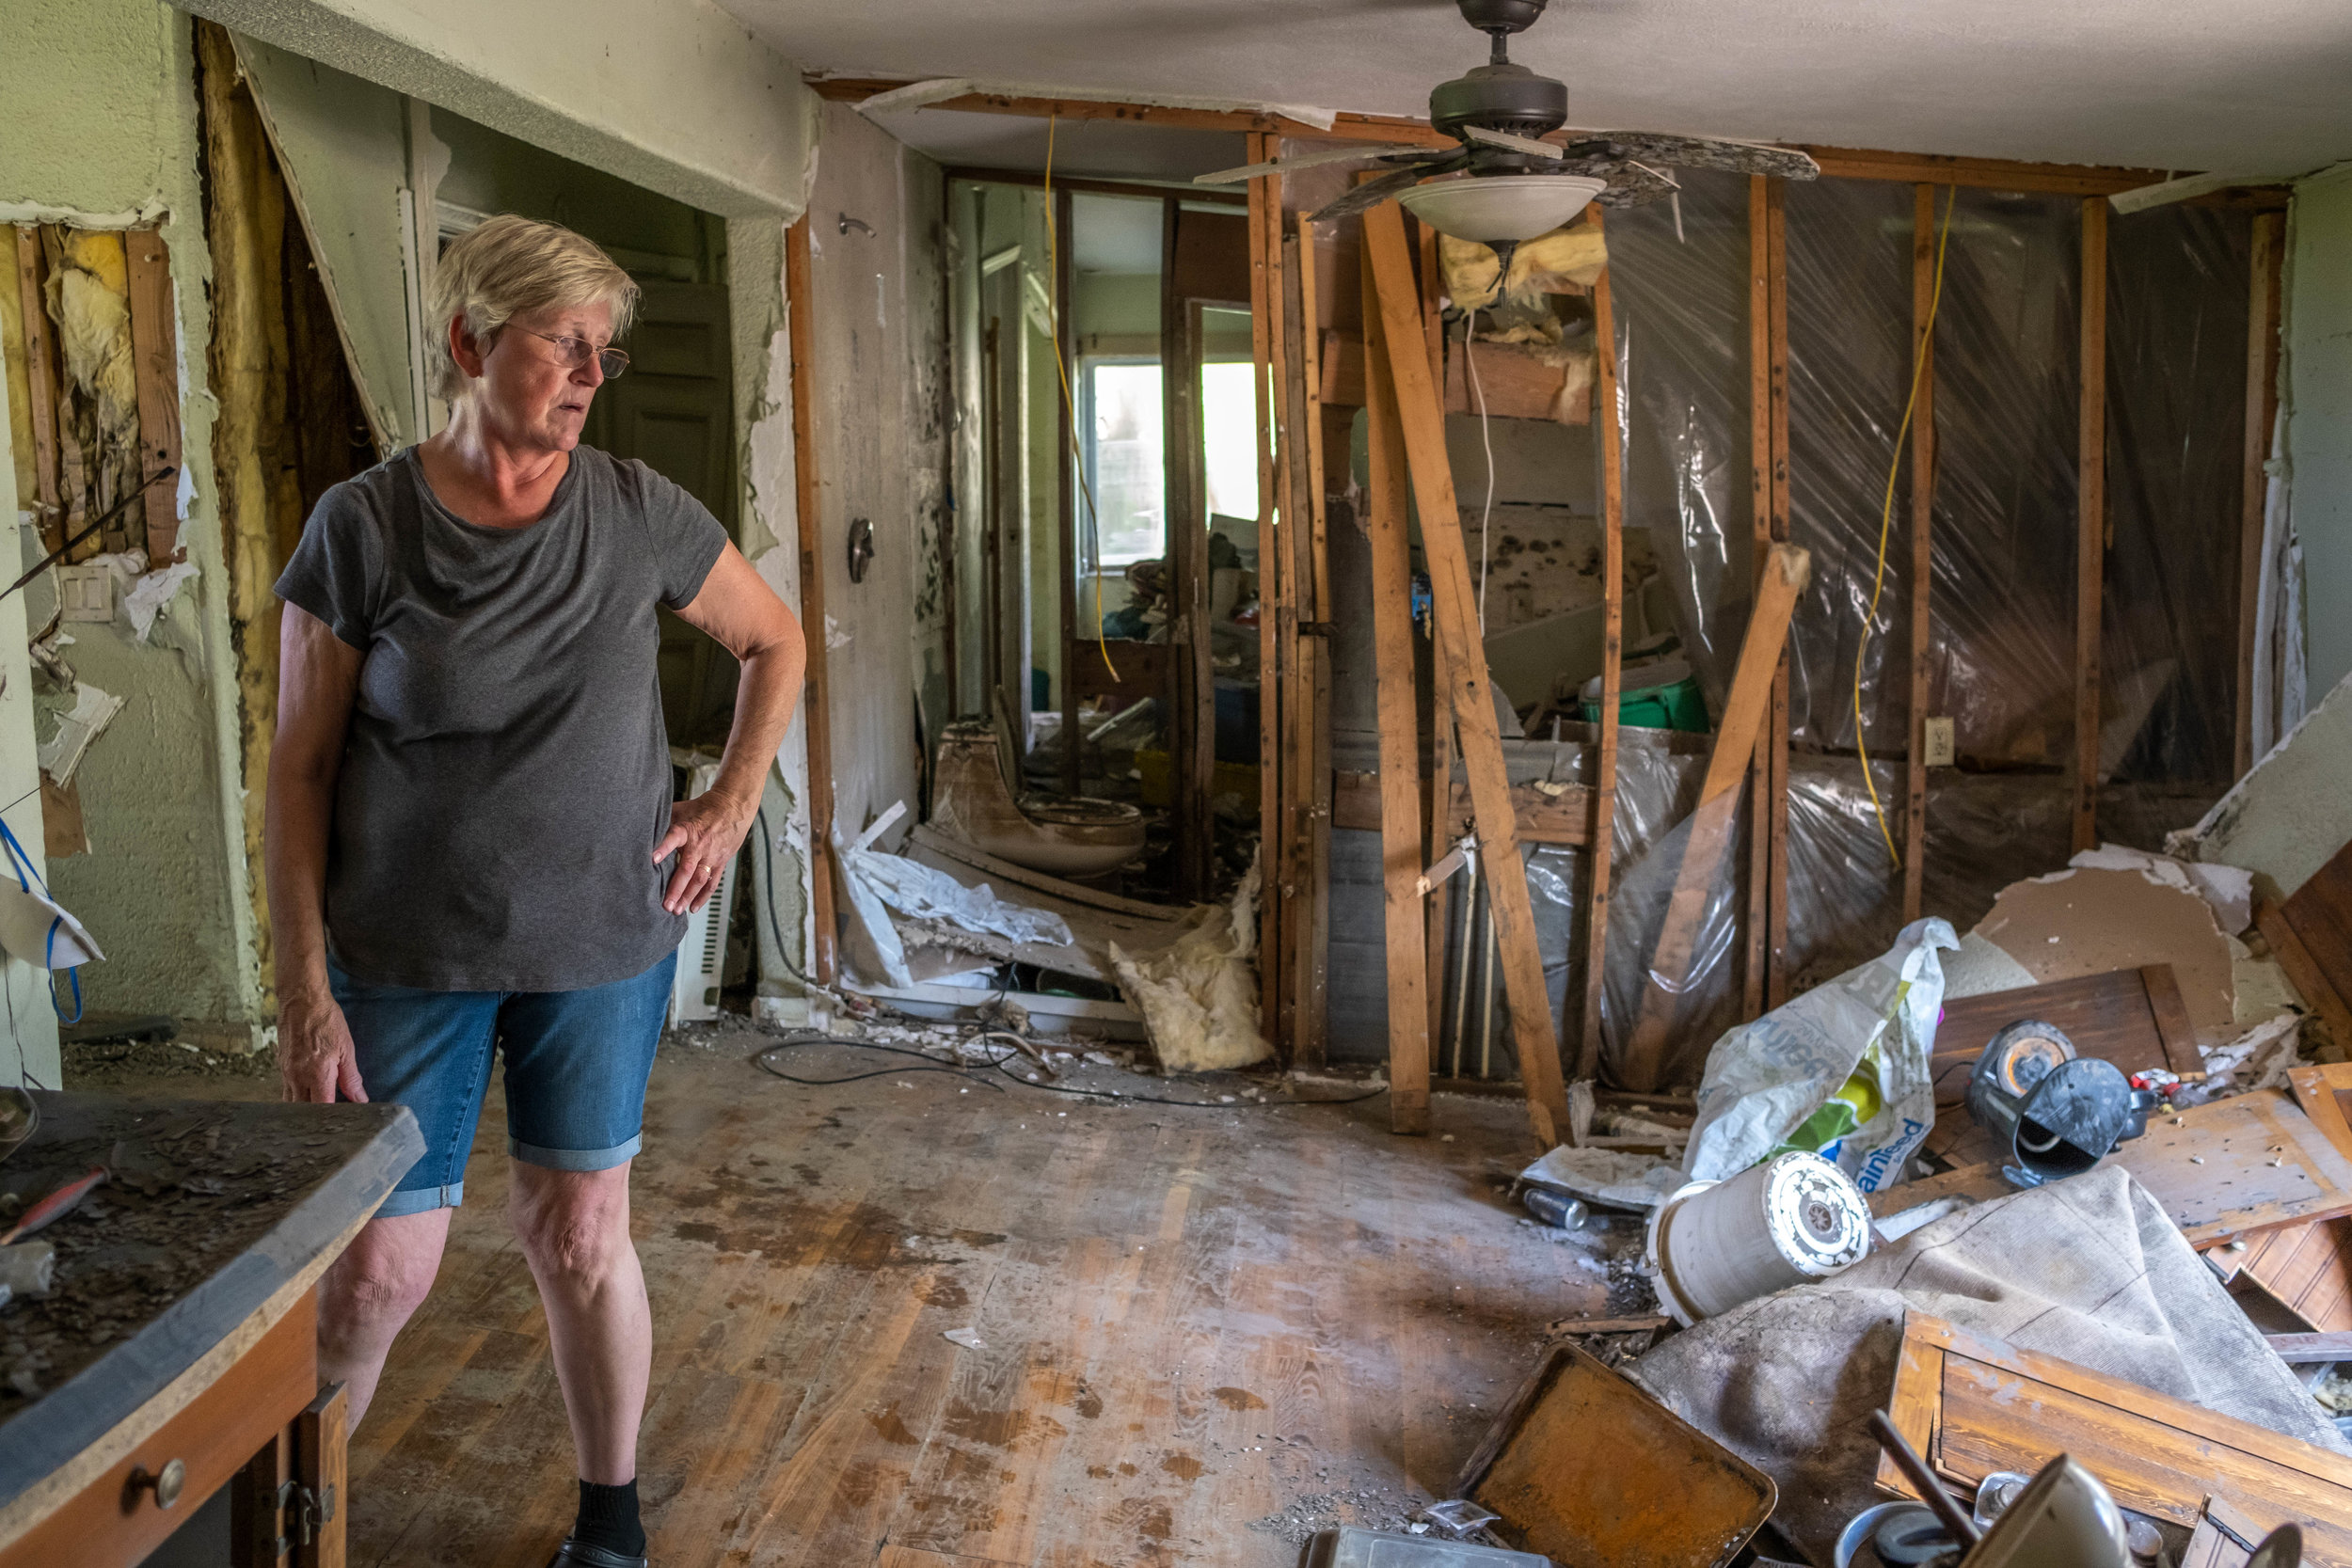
(578, 1554)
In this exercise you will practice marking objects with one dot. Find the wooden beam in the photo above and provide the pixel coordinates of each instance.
(1543, 818)
(1066, 490)
(1776, 737)
(1312, 684)
(1455, 614)
(1266, 206)
(1853, 163)
(2262, 408)
(1033, 179)
(1400, 842)
(155, 362)
(1440, 785)
(1597, 844)
(1745, 711)
(800, 329)
(1757, 928)
(40, 369)
(2090, 522)
(1922, 541)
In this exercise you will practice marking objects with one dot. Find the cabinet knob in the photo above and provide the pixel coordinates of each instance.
(165, 1482)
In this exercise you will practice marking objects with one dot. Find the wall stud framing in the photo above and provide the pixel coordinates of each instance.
(1066, 495)
(1922, 542)
(801, 328)
(1776, 737)
(1608, 426)
(2261, 413)
(2090, 522)
(1265, 210)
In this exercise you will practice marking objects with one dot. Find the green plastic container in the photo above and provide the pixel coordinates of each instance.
(1660, 696)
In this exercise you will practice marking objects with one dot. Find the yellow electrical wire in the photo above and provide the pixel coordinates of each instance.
(1078, 461)
(1887, 522)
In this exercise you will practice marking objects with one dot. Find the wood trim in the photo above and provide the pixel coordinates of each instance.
(1923, 266)
(1854, 163)
(321, 1441)
(2091, 513)
(1099, 187)
(1599, 838)
(2261, 408)
(1399, 816)
(1759, 871)
(155, 359)
(1455, 615)
(1776, 737)
(800, 329)
(40, 366)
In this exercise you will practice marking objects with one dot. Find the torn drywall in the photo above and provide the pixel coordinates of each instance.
(2291, 813)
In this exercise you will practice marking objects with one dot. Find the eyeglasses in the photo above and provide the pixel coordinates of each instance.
(572, 352)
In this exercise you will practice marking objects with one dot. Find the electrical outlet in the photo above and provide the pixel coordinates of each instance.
(1937, 742)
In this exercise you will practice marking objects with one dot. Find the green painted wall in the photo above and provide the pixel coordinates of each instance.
(101, 124)
(2319, 422)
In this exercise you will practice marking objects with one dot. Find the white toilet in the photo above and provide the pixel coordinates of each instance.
(977, 796)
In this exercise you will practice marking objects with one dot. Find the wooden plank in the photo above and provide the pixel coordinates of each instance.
(1193, 196)
(2223, 1538)
(2320, 914)
(2302, 1350)
(40, 369)
(1585, 1468)
(1065, 492)
(1759, 874)
(1307, 326)
(1455, 615)
(1266, 208)
(2324, 1092)
(2091, 521)
(1600, 839)
(800, 312)
(1543, 818)
(155, 362)
(2262, 406)
(1923, 260)
(1973, 1405)
(1744, 709)
(2310, 981)
(1776, 735)
(1513, 384)
(1975, 1184)
(1399, 810)
(2239, 1167)
(322, 1439)
(2111, 1016)
(2307, 1269)
(1308, 765)
(2173, 1025)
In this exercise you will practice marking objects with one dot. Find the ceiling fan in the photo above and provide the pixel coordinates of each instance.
(1517, 186)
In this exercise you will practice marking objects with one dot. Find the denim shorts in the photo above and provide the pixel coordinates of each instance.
(577, 1062)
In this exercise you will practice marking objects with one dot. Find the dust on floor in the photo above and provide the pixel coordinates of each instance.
(1200, 1332)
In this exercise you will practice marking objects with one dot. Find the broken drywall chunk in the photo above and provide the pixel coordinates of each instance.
(2088, 920)
(77, 727)
(152, 593)
(1980, 968)
(2229, 890)
(2291, 813)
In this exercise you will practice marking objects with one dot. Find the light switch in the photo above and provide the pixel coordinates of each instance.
(85, 593)
(1937, 742)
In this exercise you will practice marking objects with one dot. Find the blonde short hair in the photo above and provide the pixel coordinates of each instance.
(506, 266)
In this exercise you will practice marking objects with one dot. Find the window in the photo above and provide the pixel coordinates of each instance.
(1123, 461)
(1229, 438)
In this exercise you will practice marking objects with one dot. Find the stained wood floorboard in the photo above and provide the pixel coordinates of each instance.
(1190, 1321)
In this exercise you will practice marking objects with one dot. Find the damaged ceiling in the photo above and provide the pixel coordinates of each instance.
(2255, 88)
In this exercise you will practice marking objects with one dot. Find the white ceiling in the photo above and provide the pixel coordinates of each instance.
(2249, 85)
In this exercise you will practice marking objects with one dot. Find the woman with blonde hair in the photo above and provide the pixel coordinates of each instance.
(472, 849)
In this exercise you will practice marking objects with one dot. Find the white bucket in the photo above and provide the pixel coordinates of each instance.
(1715, 1244)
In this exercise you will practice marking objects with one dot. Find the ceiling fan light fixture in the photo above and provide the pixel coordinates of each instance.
(1502, 207)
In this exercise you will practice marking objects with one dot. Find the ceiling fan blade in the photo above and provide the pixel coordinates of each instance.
(1504, 139)
(1364, 197)
(1308, 160)
(1667, 152)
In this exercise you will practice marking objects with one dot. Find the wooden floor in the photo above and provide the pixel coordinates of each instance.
(1191, 1323)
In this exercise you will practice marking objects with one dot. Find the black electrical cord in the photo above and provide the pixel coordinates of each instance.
(768, 849)
(760, 1058)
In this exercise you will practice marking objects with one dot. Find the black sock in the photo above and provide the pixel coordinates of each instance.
(608, 1518)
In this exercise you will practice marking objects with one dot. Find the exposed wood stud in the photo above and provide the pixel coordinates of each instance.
(2262, 409)
(1402, 854)
(155, 359)
(1273, 954)
(801, 328)
(1776, 738)
(40, 366)
(1309, 761)
(1759, 871)
(1065, 492)
(1455, 615)
(1198, 196)
(1608, 426)
(1922, 543)
(2090, 522)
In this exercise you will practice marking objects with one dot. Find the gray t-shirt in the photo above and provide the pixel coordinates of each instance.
(507, 773)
